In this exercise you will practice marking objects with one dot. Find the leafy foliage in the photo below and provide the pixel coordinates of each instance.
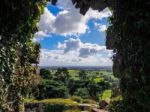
(55, 108)
(53, 105)
(45, 74)
(76, 98)
(130, 33)
(73, 110)
(82, 75)
(82, 92)
(18, 22)
(116, 106)
(89, 101)
(52, 89)
(106, 94)
(63, 84)
(62, 74)
(53, 101)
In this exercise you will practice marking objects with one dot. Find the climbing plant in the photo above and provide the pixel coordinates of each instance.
(130, 30)
(18, 23)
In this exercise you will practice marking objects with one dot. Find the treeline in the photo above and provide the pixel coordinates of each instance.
(62, 84)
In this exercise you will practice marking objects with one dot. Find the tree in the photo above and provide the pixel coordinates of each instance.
(52, 89)
(45, 74)
(82, 92)
(82, 75)
(73, 85)
(62, 74)
(96, 88)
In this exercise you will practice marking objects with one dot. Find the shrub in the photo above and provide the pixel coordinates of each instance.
(116, 105)
(103, 104)
(73, 110)
(88, 101)
(55, 108)
(52, 89)
(106, 94)
(76, 98)
(53, 105)
(53, 101)
(82, 92)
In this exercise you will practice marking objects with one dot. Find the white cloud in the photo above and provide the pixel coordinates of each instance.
(69, 21)
(40, 34)
(101, 27)
(84, 49)
(58, 58)
(91, 49)
(47, 21)
(95, 14)
(71, 44)
(65, 5)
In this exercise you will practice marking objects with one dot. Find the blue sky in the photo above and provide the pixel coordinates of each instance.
(71, 39)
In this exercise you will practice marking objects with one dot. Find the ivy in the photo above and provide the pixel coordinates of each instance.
(131, 47)
(18, 22)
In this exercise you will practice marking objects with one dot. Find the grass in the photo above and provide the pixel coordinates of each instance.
(106, 95)
(98, 79)
(53, 101)
(74, 74)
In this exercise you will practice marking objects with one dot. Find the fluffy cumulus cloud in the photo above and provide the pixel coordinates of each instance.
(84, 49)
(101, 27)
(47, 21)
(40, 35)
(59, 58)
(90, 49)
(71, 44)
(45, 24)
(75, 52)
(69, 21)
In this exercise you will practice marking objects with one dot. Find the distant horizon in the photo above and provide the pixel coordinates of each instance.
(107, 68)
(73, 66)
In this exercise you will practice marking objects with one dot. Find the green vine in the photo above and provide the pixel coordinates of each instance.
(18, 22)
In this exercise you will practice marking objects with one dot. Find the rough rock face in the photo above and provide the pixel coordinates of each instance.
(110, 38)
(53, 1)
(84, 5)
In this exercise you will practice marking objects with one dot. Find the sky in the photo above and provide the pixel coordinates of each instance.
(68, 38)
